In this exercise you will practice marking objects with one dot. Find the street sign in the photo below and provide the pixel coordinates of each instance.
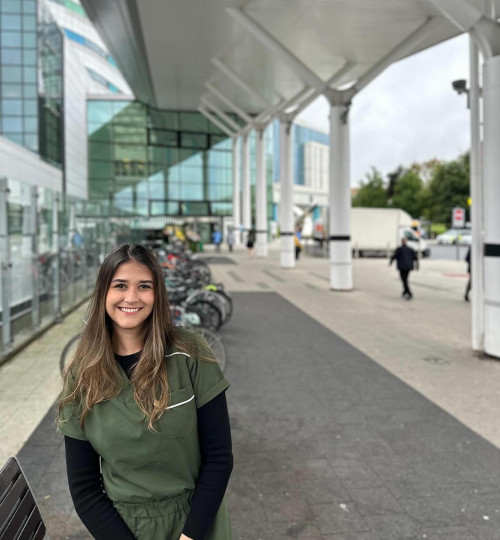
(458, 218)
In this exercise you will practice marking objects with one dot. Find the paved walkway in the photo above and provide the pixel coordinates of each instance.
(327, 442)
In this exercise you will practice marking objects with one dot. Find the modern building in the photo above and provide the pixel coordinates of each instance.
(166, 153)
(102, 74)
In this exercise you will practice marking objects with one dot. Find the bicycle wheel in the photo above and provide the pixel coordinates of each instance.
(209, 314)
(68, 351)
(216, 343)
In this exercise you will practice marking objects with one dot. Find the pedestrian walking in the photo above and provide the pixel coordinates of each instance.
(406, 260)
(469, 283)
(250, 242)
(143, 413)
(217, 239)
(298, 245)
(230, 240)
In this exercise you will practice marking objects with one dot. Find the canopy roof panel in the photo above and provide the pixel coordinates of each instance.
(165, 48)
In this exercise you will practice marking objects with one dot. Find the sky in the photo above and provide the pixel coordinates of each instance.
(408, 114)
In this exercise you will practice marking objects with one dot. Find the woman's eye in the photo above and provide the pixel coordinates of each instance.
(145, 287)
(119, 286)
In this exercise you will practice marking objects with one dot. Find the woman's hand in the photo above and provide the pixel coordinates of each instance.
(184, 537)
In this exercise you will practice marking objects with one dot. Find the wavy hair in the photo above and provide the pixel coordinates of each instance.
(92, 376)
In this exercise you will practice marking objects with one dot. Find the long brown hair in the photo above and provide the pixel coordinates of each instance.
(92, 375)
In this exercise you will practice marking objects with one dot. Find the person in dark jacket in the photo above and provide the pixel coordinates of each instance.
(469, 283)
(406, 257)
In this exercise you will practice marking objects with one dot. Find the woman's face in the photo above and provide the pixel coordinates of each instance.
(130, 297)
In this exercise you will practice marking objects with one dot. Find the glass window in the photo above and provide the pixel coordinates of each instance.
(29, 74)
(192, 122)
(163, 137)
(12, 107)
(29, 40)
(12, 124)
(10, 39)
(11, 74)
(11, 90)
(195, 208)
(11, 56)
(31, 141)
(29, 6)
(10, 22)
(31, 124)
(30, 107)
(193, 140)
(14, 137)
(29, 57)
(30, 91)
(100, 112)
(10, 6)
(29, 23)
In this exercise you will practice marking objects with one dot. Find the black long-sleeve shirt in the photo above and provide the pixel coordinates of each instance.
(97, 511)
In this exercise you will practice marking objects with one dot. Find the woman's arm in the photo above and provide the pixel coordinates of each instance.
(216, 465)
(92, 505)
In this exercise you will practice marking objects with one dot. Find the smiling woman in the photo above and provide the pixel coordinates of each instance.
(129, 302)
(144, 414)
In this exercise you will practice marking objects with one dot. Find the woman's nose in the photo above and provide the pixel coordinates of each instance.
(131, 295)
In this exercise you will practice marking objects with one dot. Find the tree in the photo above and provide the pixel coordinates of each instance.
(448, 187)
(408, 193)
(371, 193)
(393, 177)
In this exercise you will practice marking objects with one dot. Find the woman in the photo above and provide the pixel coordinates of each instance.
(144, 414)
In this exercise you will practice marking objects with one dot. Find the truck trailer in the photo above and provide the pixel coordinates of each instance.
(378, 231)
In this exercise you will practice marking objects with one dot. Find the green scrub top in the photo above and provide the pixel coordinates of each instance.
(142, 467)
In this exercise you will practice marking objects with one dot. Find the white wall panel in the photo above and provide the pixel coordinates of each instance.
(75, 122)
(25, 166)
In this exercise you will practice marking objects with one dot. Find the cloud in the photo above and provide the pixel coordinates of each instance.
(409, 113)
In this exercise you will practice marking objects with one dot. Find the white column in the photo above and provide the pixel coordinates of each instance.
(491, 98)
(287, 256)
(261, 195)
(236, 192)
(245, 187)
(340, 201)
(476, 191)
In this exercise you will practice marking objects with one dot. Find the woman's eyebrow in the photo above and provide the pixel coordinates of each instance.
(126, 281)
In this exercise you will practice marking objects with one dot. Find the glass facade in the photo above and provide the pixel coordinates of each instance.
(164, 163)
(56, 244)
(31, 53)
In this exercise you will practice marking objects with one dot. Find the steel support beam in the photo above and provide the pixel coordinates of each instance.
(340, 201)
(216, 122)
(476, 191)
(240, 112)
(287, 253)
(305, 74)
(261, 194)
(246, 194)
(406, 47)
(229, 121)
(236, 192)
(240, 82)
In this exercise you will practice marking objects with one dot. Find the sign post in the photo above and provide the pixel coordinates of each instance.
(458, 218)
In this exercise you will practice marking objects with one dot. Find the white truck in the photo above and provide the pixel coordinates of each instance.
(378, 231)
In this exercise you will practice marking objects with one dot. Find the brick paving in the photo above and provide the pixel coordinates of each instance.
(329, 442)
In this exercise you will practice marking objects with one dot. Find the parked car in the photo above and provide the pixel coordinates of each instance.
(453, 236)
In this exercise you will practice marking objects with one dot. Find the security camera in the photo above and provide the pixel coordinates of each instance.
(460, 86)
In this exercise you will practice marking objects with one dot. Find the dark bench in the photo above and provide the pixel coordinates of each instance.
(20, 518)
